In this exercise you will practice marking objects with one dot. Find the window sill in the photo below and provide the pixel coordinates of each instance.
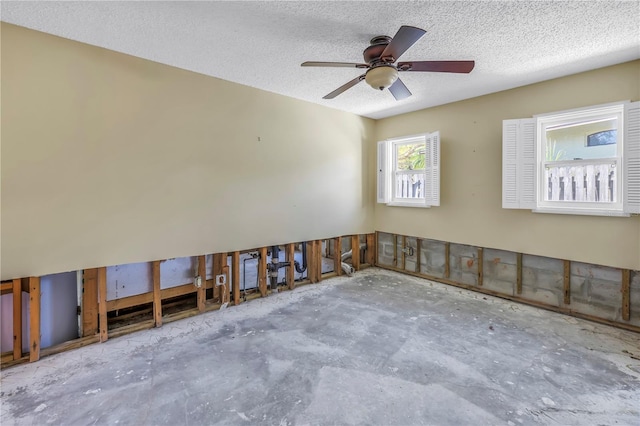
(399, 204)
(582, 212)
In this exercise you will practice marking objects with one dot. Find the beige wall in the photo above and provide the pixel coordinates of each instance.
(471, 212)
(110, 159)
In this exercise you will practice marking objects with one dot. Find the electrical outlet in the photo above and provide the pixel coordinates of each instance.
(221, 279)
(197, 281)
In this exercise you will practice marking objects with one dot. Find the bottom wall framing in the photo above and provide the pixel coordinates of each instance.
(598, 293)
(117, 300)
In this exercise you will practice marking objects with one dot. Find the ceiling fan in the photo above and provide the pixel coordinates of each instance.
(382, 73)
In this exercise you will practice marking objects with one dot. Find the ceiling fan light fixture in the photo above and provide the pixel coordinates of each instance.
(381, 77)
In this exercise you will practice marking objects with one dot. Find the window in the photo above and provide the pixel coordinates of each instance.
(584, 161)
(409, 171)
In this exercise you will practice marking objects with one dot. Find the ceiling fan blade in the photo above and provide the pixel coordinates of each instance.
(333, 64)
(437, 66)
(399, 90)
(344, 87)
(403, 40)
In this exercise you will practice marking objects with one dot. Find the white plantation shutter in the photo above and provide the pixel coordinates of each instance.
(432, 169)
(528, 164)
(631, 158)
(519, 164)
(384, 172)
(510, 164)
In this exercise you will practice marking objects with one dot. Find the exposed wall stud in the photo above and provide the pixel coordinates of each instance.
(626, 294)
(220, 267)
(403, 255)
(262, 271)
(90, 302)
(480, 266)
(395, 250)
(289, 251)
(235, 277)
(355, 252)
(318, 252)
(567, 282)
(376, 246)
(34, 319)
(17, 319)
(311, 261)
(102, 304)
(157, 298)
(447, 262)
(337, 255)
(371, 249)
(201, 292)
(519, 273)
(418, 254)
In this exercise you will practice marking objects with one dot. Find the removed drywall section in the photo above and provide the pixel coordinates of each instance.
(596, 292)
(500, 271)
(58, 308)
(463, 264)
(433, 259)
(542, 279)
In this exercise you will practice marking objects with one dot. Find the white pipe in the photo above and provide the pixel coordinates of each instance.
(348, 269)
(347, 255)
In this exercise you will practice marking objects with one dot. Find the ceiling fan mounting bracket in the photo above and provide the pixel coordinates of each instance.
(381, 39)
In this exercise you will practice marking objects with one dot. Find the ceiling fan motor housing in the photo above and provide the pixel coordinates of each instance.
(372, 53)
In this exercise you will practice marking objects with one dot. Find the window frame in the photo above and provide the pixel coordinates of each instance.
(395, 172)
(587, 114)
(523, 180)
(388, 172)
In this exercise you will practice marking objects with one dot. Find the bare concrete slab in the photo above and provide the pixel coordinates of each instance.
(378, 348)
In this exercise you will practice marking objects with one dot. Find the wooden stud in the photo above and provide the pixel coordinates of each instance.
(371, 249)
(102, 304)
(403, 255)
(34, 319)
(395, 250)
(355, 252)
(626, 294)
(290, 271)
(337, 255)
(17, 319)
(89, 302)
(375, 243)
(447, 262)
(219, 265)
(7, 287)
(418, 253)
(311, 261)
(567, 282)
(262, 271)
(519, 273)
(157, 298)
(318, 252)
(235, 277)
(480, 266)
(201, 292)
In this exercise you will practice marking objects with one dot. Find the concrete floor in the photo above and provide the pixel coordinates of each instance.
(377, 348)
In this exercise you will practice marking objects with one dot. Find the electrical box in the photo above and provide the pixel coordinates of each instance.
(221, 279)
(197, 281)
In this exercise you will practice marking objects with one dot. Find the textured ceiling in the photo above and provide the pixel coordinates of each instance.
(261, 44)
